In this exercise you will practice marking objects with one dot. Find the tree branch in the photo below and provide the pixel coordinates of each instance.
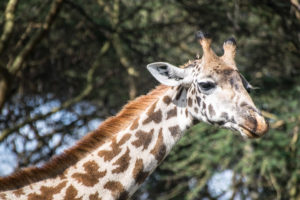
(9, 23)
(132, 73)
(85, 92)
(102, 28)
(17, 63)
(5, 80)
(7, 30)
(296, 5)
(116, 42)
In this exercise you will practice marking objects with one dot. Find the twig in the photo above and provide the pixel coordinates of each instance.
(17, 63)
(9, 23)
(275, 185)
(104, 29)
(296, 5)
(116, 42)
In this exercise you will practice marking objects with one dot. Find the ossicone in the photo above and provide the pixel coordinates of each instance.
(229, 47)
(204, 40)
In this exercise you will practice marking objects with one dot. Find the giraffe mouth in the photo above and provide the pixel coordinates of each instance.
(247, 132)
(244, 131)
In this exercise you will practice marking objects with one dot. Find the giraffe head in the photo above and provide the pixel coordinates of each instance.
(214, 90)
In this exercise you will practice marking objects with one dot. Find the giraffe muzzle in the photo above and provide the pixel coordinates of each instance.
(255, 125)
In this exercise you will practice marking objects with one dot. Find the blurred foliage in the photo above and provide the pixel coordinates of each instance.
(65, 63)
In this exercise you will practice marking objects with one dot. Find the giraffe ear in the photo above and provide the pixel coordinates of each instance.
(168, 74)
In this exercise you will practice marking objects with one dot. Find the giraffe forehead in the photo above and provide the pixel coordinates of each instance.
(214, 67)
(221, 75)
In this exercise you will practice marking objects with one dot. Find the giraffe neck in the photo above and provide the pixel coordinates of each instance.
(139, 149)
(117, 168)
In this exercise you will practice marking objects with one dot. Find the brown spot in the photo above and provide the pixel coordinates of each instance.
(190, 102)
(144, 139)
(123, 162)
(203, 106)
(95, 196)
(124, 139)
(19, 192)
(196, 110)
(117, 190)
(3, 196)
(138, 172)
(47, 193)
(71, 193)
(159, 150)
(186, 112)
(211, 110)
(225, 116)
(153, 116)
(232, 82)
(244, 104)
(193, 91)
(135, 124)
(167, 100)
(63, 175)
(172, 113)
(236, 86)
(91, 175)
(175, 130)
(110, 154)
(198, 100)
(178, 95)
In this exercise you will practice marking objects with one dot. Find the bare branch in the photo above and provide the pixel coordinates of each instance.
(17, 64)
(132, 73)
(5, 79)
(116, 42)
(296, 5)
(7, 30)
(9, 23)
(102, 28)
(85, 92)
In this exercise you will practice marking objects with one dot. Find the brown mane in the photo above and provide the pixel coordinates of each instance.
(57, 165)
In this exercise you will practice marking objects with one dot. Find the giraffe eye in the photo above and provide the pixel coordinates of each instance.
(206, 86)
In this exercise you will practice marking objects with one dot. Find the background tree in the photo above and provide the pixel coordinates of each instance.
(67, 65)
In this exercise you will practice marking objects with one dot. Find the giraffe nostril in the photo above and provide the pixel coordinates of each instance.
(251, 123)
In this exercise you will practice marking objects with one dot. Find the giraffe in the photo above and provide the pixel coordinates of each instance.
(115, 159)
